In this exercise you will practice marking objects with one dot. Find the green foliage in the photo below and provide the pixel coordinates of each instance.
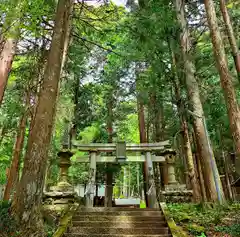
(197, 213)
(142, 204)
(7, 223)
(199, 219)
(114, 58)
(196, 230)
(50, 230)
(233, 230)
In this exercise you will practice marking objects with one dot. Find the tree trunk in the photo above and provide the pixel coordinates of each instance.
(157, 111)
(27, 201)
(141, 122)
(13, 172)
(73, 132)
(3, 132)
(228, 183)
(67, 42)
(185, 134)
(6, 59)
(201, 180)
(225, 76)
(231, 36)
(8, 43)
(143, 139)
(109, 174)
(210, 172)
(198, 168)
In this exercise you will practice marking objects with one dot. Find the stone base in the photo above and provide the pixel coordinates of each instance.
(177, 193)
(55, 203)
(175, 187)
(57, 197)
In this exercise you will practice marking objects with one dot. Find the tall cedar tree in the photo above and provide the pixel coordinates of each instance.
(231, 37)
(8, 46)
(109, 174)
(206, 155)
(13, 172)
(185, 134)
(27, 201)
(225, 75)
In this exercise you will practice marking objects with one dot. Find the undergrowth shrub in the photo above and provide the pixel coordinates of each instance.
(7, 223)
(197, 213)
(233, 230)
(198, 219)
(49, 229)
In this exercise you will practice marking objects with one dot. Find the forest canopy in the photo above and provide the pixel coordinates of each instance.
(140, 72)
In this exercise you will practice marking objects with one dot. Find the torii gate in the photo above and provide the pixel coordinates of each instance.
(145, 152)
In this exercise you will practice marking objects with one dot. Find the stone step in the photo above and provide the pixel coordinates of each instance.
(120, 224)
(111, 235)
(113, 209)
(120, 213)
(116, 231)
(108, 218)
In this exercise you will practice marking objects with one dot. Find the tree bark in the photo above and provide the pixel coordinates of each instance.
(157, 111)
(201, 180)
(228, 183)
(67, 42)
(231, 36)
(109, 174)
(141, 122)
(225, 76)
(185, 134)
(3, 132)
(27, 201)
(13, 172)
(143, 139)
(210, 172)
(6, 59)
(8, 43)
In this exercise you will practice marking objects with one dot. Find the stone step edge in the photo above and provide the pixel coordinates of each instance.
(115, 235)
(122, 221)
(119, 217)
(119, 213)
(99, 209)
(136, 228)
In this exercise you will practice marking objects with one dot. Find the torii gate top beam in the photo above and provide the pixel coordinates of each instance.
(111, 147)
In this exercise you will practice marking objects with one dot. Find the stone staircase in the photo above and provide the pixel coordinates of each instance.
(118, 222)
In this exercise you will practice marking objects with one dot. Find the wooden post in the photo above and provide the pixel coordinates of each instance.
(91, 185)
(151, 192)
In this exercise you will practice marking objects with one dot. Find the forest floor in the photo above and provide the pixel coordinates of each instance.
(211, 221)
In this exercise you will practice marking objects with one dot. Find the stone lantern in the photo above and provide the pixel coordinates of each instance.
(64, 164)
(170, 159)
(60, 196)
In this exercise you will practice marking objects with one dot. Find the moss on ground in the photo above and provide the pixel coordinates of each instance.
(207, 220)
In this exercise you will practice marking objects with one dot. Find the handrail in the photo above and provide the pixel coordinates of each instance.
(65, 221)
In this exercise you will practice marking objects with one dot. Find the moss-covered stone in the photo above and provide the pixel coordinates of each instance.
(65, 221)
(195, 229)
(176, 231)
